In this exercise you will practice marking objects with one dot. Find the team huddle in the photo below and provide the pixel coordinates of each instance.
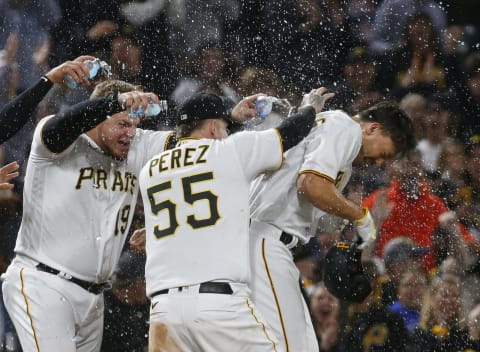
(222, 215)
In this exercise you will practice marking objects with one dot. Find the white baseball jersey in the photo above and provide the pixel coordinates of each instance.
(328, 151)
(196, 208)
(78, 205)
(276, 206)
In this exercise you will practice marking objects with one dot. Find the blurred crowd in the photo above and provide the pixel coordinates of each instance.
(425, 269)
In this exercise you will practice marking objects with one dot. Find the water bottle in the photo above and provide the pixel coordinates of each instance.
(153, 109)
(93, 67)
(264, 106)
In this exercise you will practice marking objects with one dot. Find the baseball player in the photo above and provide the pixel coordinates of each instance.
(285, 203)
(81, 187)
(197, 214)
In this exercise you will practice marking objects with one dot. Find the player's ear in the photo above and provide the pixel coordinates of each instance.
(212, 127)
(373, 126)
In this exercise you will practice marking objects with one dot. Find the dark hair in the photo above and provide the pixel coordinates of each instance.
(395, 123)
(106, 88)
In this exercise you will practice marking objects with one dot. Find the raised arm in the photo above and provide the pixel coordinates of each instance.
(17, 112)
(64, 128)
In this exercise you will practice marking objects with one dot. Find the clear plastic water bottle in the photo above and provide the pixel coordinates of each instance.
(94, 66)
(264, 106)
(153, 109)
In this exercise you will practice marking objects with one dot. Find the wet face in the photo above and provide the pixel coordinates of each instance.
(114, 135)
(377, 146)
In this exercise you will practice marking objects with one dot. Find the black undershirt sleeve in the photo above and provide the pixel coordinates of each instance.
(296, 127)
(64, 128)
(16, 113)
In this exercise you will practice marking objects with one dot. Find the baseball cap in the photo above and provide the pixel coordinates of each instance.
(202, 106)
(402, 248)
(344, 275)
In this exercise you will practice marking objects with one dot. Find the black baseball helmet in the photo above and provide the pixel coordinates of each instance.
(344, 276)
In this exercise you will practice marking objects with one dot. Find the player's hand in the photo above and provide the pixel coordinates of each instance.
(8, 172)
(138, 240)
(317, 99)
(366, 229)
(76, 69)
(245, 109)
(132, 101)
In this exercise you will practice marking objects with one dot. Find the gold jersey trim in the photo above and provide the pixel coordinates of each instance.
(28, 310)
(274, 292)
(322, 175)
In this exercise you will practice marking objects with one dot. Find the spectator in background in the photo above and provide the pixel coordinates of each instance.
(420, 66)
(208, 73)
(370, 325)
(471, 212)
(391, 20)
(410, 292)
(325, 309)
(415, 105)
(450, 182)
(470, 98)
(30, 21)
(194, 24)
(9, 70)
(360, 17)
(299, 39)
(410, 209)
(400, 255)
(437, 132)
(127, 307)
(442, 326)
(358, 90)
(474, 325)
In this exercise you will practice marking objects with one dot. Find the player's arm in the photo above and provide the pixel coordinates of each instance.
(18, 111)
(296, 127)
(64, 128)
(323, 194)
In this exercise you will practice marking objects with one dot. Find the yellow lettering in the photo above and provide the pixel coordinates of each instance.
(163, 162)
(175, 159)
(101, 176)
(117, 181)
(187, 161)
(203, 150)
(153, 163)
(86, 173)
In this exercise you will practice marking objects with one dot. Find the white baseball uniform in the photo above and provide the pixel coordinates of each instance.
(197, 242)
(78, 206)
(276, 207)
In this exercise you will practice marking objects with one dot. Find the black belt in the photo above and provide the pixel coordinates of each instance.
(206, 287)
(286, 239)
(89, 286)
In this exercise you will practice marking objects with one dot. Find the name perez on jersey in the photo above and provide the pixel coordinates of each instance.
(122, 181)
(177, 158)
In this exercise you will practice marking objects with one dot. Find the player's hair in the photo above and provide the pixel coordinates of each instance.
(113, 87)
(395, 123)
(186, 129)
